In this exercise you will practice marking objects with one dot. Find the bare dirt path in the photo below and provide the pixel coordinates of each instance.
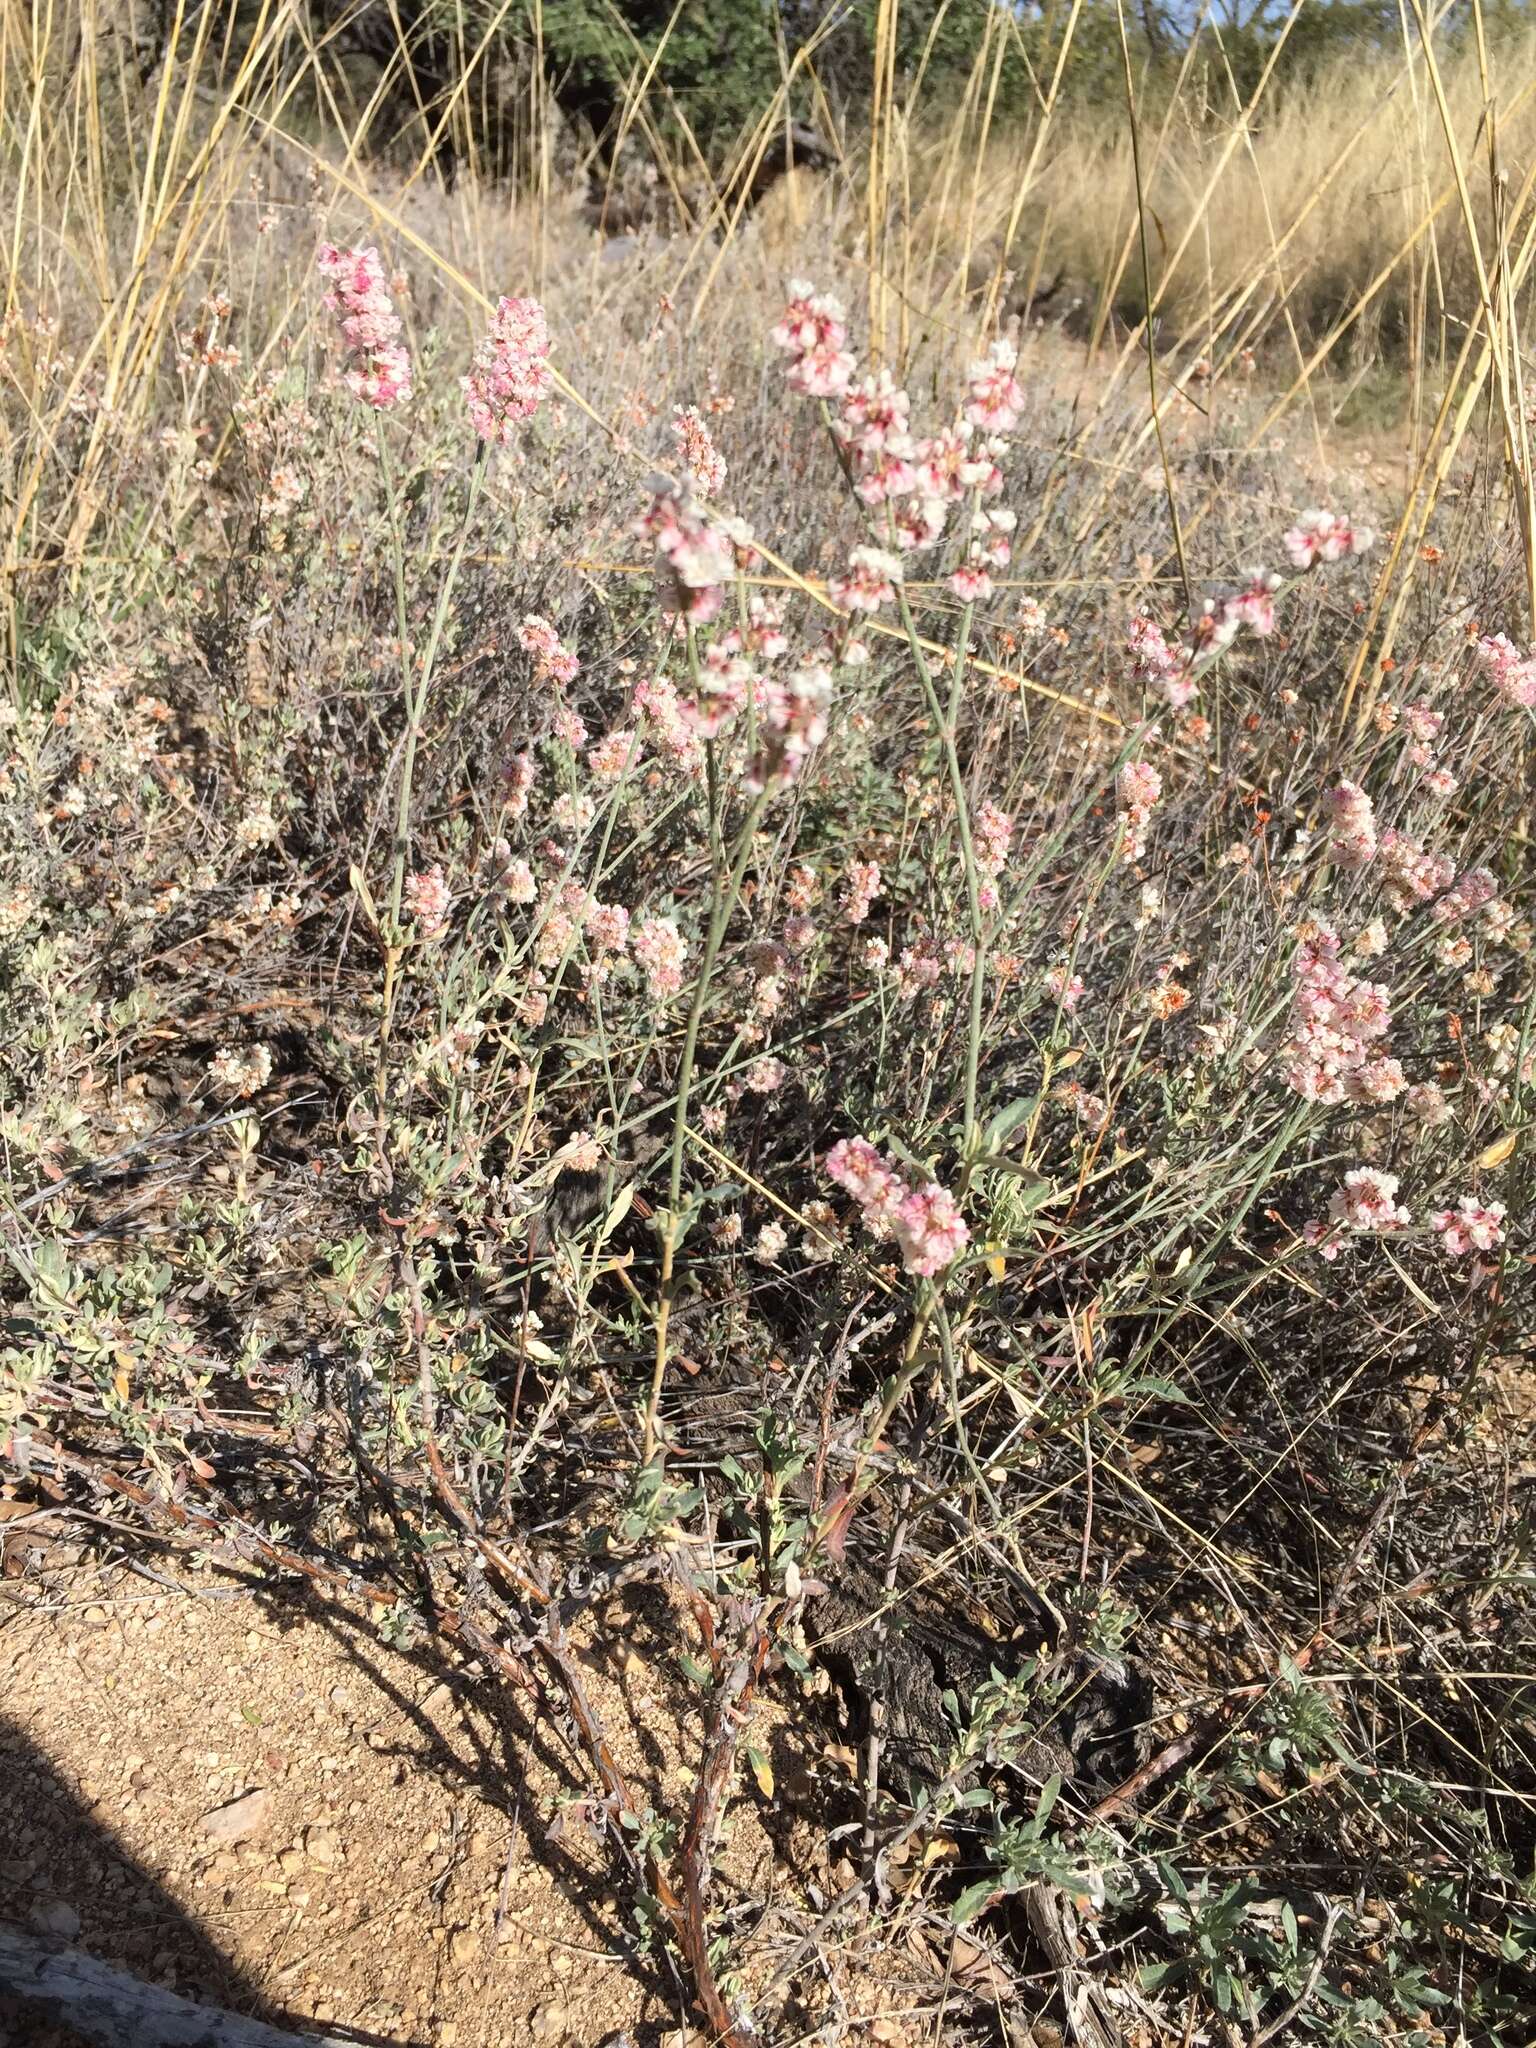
(260, 1804)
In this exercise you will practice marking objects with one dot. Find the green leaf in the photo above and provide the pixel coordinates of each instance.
(361, 891)
(1031, 1190)
(972, 1900)
(1007, 1121)
(55, 1279)
(1164, 1390)
(622, 1202)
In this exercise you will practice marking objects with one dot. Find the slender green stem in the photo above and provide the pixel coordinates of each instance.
(415, 708)
(945, 723)
(945, 726)
(720, 916)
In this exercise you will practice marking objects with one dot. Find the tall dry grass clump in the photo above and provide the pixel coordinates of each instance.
(1309, 189)
(817, 978)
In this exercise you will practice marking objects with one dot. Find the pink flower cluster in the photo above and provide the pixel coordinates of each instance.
(1467, 895)
(1325, 537)
(565, 913)
(573, 810)
(1171, 670)
(918, 968)
(1472, 1226)
(1512, 673)
(792, 721)
(992, 836)
(380, 375)
(872, 431)
(861, 885)
(695, 557)
(791, 710)
(1353, 821)
(916, 480)
(510, 372)
(553, 661)
(1365, 1201)
(1426, 1104)
(1422, 724)
(669, 720)
(1164, 670)
(799, 932)
(956, 461)
(990, 547)
(559, 926)
(925, 1221)
(514, 877)
(1089, 1109)
(428, 900)
(701, 458)
(1066, 988)
(812, 334)
(1337, 1028)
(1408, 872)
(660, 949)
(518, 778)
(607, 928)
(994, 397)
(1252, 607)
(613, 755)
(763, 637)
(1139, 788)
(869, 582)
(570, 726)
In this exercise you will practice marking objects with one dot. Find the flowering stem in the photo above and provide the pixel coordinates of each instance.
(723, 905)
(415, 705)
(895, 1393)
(945, 725)
(402, 634)
(957, 1409)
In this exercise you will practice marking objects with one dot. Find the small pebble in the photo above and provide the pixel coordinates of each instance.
(321, 1846)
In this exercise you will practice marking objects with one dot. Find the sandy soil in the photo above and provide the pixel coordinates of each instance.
(398, 1874)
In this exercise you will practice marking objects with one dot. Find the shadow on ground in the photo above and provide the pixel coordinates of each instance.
(65, 1876)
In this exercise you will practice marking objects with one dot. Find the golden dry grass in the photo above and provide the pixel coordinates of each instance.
(1387, 211)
